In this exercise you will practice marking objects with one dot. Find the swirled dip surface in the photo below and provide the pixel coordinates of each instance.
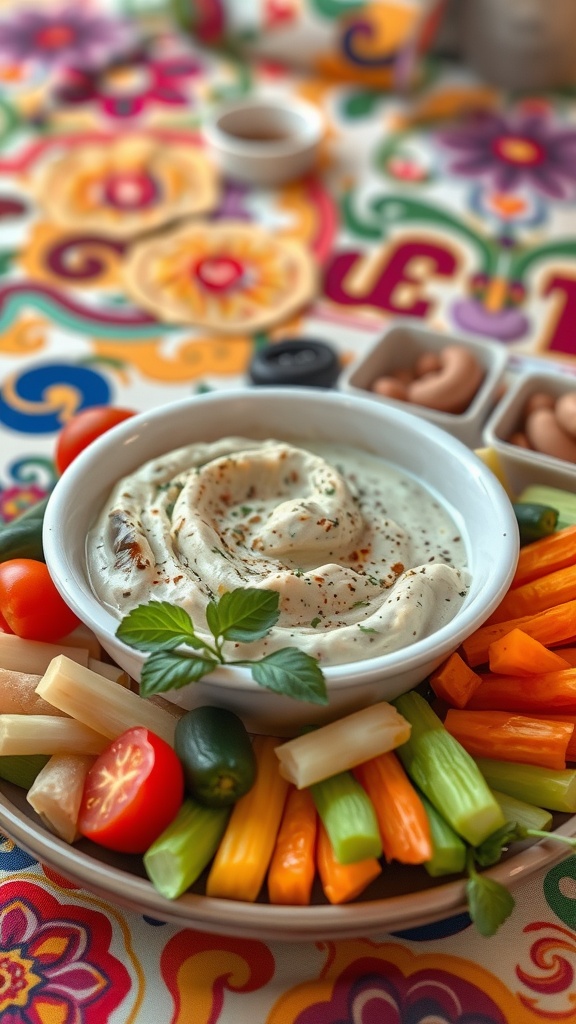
(365, 560)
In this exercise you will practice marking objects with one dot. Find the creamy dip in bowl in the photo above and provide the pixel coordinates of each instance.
(386, 539)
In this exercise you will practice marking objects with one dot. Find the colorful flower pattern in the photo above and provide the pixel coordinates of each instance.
(127, 186)
(229, 276)
(127, 88)
(75, 35)
(55, 963)
(510, 151)
(367, 982)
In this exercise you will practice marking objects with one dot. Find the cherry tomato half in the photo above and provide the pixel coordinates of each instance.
(132, 792)
(30, 603)
(83, 428)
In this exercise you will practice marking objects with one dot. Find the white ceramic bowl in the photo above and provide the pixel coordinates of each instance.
(477, 502)
(264, 141)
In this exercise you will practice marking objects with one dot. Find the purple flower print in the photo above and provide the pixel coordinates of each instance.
(383, 994)
(502, 324)
(54, 960)
(64, 37)
(512, 151)
(479, 314)
(126, 88)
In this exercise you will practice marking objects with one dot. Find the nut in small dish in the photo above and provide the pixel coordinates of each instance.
(265, 141)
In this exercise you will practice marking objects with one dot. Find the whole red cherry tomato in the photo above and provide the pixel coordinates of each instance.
(132, 792)
(30, 603)
(83, 428)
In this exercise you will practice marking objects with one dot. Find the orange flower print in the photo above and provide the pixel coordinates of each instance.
(125, 187)
(230, 276)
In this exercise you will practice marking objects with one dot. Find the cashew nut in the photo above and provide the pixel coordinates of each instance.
(538, 400)
(390, 387)
(547, 436)
(565, 410)
(452, 388)
(520, 440)
(427, 362)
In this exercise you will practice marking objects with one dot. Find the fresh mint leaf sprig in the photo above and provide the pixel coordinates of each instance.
(244, 615)
(489, 902)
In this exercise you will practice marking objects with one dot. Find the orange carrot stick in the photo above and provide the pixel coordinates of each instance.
(556, 551)
(454, 681)
(549, 692)
(551, 627)
(568, 654)
(342, 882)
(571, 748)
(293, 865)
(506, 736)
(403, 822)
(544, 592)
(518, 654)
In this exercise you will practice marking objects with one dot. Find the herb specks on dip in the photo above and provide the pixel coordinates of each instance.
(365, 560)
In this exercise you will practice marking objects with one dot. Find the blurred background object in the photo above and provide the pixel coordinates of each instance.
(520, 44)
(378, 44)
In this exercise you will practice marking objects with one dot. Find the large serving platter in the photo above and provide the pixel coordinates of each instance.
(401, 898)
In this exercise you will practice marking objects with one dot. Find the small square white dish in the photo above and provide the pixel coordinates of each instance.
(524, 466)
(399, 348)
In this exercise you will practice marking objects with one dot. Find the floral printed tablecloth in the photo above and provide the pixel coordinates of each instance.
(454, 205)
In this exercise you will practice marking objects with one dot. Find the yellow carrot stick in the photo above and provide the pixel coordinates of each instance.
(342, 882)
(293, 865)
(243, 857)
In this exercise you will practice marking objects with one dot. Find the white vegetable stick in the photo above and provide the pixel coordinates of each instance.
(343, 744)
(18, 695)
(48, 734)
(99, 702)
(82, 636)
(104, 668)
(34, 655)
(56, 793)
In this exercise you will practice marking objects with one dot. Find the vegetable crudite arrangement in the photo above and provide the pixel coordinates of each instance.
(435, 786)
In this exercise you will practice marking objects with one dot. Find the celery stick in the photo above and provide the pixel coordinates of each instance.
(525, 814)
(448, 850)
(349, 818)
(554, 790)
(179, 855)
(438, 764)
(22, 769)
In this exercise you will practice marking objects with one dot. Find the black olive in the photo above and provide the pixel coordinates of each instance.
(299, 361)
